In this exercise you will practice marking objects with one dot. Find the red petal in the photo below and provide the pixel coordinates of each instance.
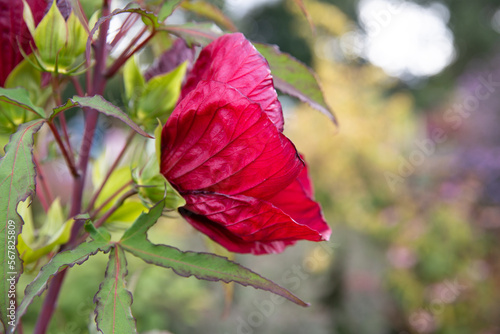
(234, 60)
(296, 200)
(217, 140)
(14, 32)
(243, 224)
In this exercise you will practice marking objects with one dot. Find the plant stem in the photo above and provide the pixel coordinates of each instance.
(67, 157)
(127, 23)
(78, 87)
(106, 202)
(47, 194)
(111, 169)
(122, 59)
(56, 90)
(49, 303)
(96, 87)
(115, 207)
(108, 213)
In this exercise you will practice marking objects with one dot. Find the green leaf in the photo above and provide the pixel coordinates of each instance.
(126, 214)
(167, 9)
(50, 36)
(98, 103)
(76, 42)
(28, 18)
(54, 232)
(61, 261)
(113, 314)
(27, 76)
(294, 78)
(17, 182)
(195, 33)
(132, 79)
(209, 11)
(99, 235)
(160, 95)
(202, 265)
(20, 97)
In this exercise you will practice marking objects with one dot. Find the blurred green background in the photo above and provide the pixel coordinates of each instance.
(409, 182)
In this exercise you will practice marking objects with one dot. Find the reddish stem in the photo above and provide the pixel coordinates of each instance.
(78, 87)
(111, 169)
(108, 213)
(95, 87)
(122, 59)
(67, 157)
(115, 207)
(106, 202)
(124, 28)
(49, 303)
(47, 194)
(62, 119)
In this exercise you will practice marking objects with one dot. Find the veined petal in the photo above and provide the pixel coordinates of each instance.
(232, 59)
(217, 140)
(14, 32)
(244, 224)
(297, 201)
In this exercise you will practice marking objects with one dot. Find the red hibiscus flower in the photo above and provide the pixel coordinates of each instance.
(244, 183)
(15, 33)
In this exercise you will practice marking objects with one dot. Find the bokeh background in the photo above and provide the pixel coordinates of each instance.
(409, 182)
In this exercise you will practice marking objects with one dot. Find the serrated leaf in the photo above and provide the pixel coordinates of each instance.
(99, 235)
(17, 182)
(167, 9)
(20, 97)
(294, 78)
(201, 265)
(112, 313)
(62, 260)
(98, 103)
(209, 11)
(195, 33)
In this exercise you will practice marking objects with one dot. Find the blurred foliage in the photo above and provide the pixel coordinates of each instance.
(470, 23)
